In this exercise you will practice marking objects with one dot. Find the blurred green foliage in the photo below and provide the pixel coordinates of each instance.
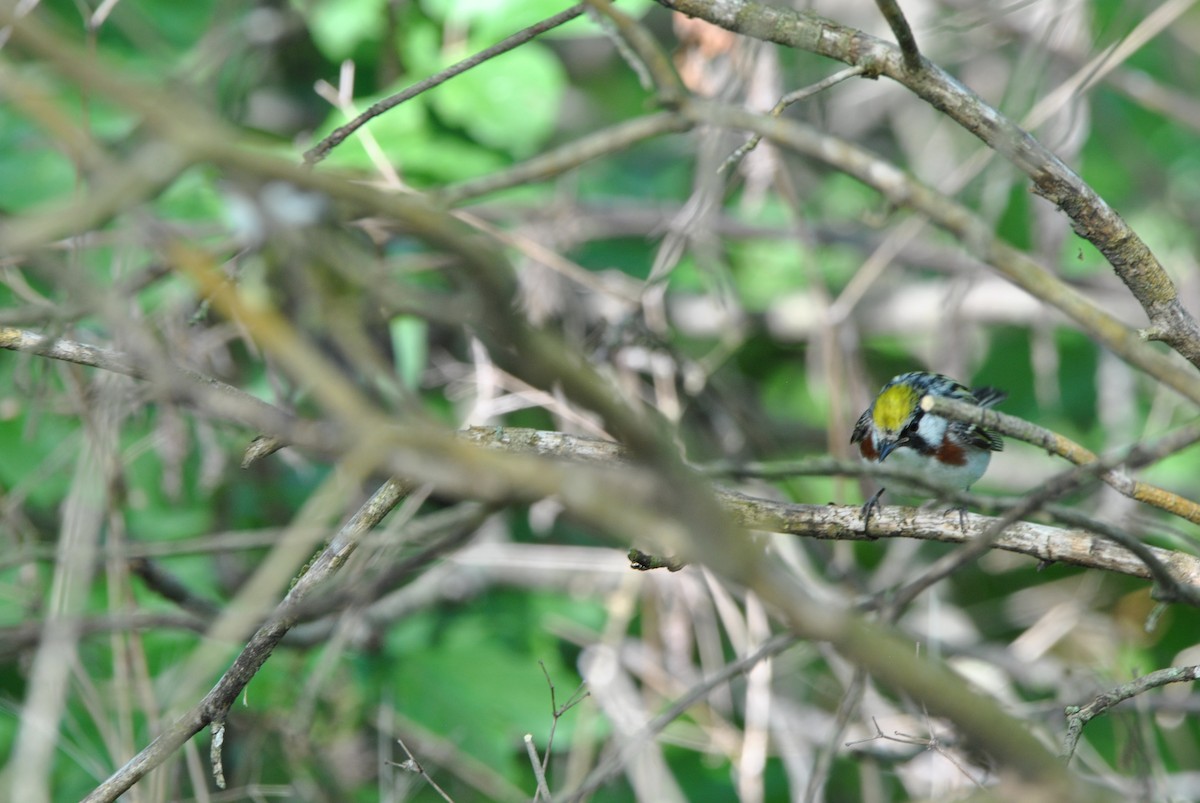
(472, 670)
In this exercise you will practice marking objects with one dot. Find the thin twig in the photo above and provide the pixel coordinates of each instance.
(1049, 544)
(764, 514)
(931, 742)
(412, 765)
(216, 703)
(571, 155)
(543, 790)
(170, 587)
(1169, 586)
(649, 53)
(120, 363)
(783, 103)
(15, 639)
(578, 696)
(1064, 447)
(1091, 216)
(977, 235)
(325, 146)
(629, 747)
(1079, 716)
(904, 36)
(48, 310)
(847, 707)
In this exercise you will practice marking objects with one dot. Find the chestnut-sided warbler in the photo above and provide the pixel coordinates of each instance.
(949, 455)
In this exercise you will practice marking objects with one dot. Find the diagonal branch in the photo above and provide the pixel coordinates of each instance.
(977, 236)
(1090, 215)
(1054, 443)
(660, 497)
(1079, 716)
(325, 146)
(214, 705)
(904, 36)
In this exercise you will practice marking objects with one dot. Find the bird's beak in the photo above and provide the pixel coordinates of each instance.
(885, 448)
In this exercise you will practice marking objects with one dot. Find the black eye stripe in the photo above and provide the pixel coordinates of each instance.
(910, 429)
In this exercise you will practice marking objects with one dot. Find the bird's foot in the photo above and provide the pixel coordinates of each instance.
(867, 508)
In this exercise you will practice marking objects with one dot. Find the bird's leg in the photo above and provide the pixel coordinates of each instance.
(962, 517)
(870, 505)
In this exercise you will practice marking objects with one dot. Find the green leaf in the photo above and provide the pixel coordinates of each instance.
(395, 131)
(340, 26)
(191, 197)
(410, 343)
(510, 103)
(30, 173)
(475, 685)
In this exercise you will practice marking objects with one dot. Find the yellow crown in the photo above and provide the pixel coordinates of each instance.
(894, 406)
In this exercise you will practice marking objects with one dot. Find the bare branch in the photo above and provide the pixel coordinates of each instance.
(572, 155)
(325, 146)
(1091, 217)
(1060, 445)
(646, 49)
(1080, 716)
(976, 235)
(904, 36)
(216, 703)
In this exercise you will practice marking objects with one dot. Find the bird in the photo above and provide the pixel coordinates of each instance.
(949, 455)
